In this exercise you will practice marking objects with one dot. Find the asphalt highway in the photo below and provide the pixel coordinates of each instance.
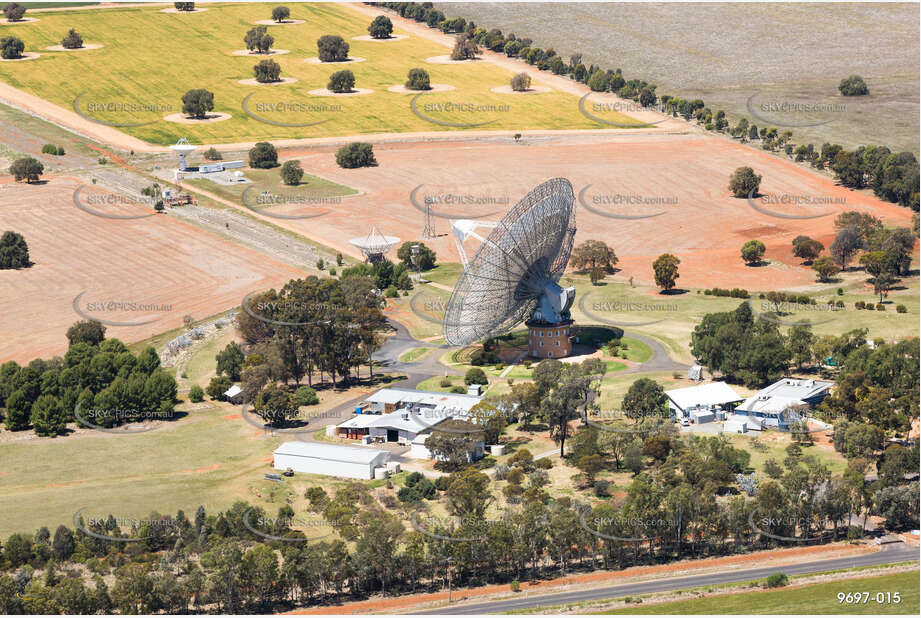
(896, 552)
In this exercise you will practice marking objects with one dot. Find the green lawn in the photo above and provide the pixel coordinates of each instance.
(310, 188)
(180, 52)
(445, 273)
(808, 599)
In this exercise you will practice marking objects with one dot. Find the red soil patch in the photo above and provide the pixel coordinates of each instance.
(210, 468)
(158, 261)
(701, 222)
(230, 417)
(760, 558)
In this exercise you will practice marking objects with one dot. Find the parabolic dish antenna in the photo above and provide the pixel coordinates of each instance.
(374, 245)
(183, 147)
(513, 275)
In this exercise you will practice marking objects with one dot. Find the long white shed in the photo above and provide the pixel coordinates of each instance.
(329, 459)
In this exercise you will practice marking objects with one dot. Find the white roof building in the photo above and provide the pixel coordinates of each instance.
(739, 423)
(712, 396)
(233, 393)
(329, 459)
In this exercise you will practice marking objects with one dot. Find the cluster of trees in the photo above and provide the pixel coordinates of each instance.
(257, 39)
(99, 379)
(893, 176)
(743, 348)
(11, 48)
(356, 154)
(385, 275)
(263, 155)
(853, 86)
(311, 326)
(416, 255)
(14, 251)
(683, 504)
(184, 6)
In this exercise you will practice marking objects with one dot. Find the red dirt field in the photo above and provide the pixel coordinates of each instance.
(701, 222)
(156, 261)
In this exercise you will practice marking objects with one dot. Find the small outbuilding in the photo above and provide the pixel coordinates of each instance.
(329, 459)
(702, 403)
(234, 394)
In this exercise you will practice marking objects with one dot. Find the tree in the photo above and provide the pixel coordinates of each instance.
(666, 271)
(27, 168)
(452, 448)
(341, 82)
(197, 103)
(645, 398)
(418, 79)
(596, 275)
(465, 49)
(14, 11)
(744, 182)
(881, 269)
(267, 71)
(800, 341)
(381, 27)
(306, 396)
(86, 331)
(332, 48)
(899, 505)
(212, 154)
(18, 411)
(598, 81)
(63, 546)
(521, 82)
(826, 268)
(807, 249)
(258, 40)
(184, 6)
(416, 255)
(853, 86)
(275, 405)
(292, 172)
(196, 394)
(593, 254)
(475, 375)
(73, 40)
(14, 251)
(848, 241)
(230, 361)
(356, 154)
(48, 416)
(590, 465)
(468, 494)
(217, 387)
(263, 156)
(752, 252)
(280, 14)
(647, 97)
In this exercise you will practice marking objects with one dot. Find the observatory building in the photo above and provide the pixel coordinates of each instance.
(513, 277)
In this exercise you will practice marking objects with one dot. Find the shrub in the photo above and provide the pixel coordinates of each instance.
(306, 396)
(880, 307)
(291, 173)
(500, 472)
(464, 49)
(442, 483)
(341, 82)
(196, 394)
(777, 580)
(901, 309)
(601, 488)
(218, 386)
(332, 48)
(197, 102)
(73, 40)
(853, 86)
(263, 156)
(418, 79)
(184, 6)
(381, 27)
(444, 383)
(280, 14)
(521, 82)
(356, 154)
(515, 585)
(212, 154)
(320, 264)
(460, 390)
(544, 463)
(840, 292)
(14, 11)
(11, 48)
(475, 375)
(52, 149)
(392, 292)
(267, 71)
(859, 304)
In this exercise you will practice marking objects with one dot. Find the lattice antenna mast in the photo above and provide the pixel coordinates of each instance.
(428, 231)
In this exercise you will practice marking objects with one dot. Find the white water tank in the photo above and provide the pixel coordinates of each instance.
(393, 467)
(381, 473)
